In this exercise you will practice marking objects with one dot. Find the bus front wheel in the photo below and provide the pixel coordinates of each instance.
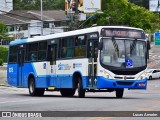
(33, 91)
(119, 93)
(81, 91)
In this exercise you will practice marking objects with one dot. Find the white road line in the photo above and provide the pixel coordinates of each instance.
(18, 101)
(3, 98)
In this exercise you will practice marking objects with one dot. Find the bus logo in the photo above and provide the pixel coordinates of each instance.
(64, 67)
(77, 65)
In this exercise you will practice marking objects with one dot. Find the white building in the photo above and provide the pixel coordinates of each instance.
(25, 24)
(6, 5)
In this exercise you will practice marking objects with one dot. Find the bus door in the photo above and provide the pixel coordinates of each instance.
(21, 52)
(52, 49)
(92, 65)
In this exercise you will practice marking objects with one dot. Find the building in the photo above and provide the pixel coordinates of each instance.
(6, 5)
(25, 24)
(143, 3)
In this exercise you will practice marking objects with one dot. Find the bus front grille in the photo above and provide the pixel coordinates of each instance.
(124, 83)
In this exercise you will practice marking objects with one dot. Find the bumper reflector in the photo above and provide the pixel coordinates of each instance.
(51, 88)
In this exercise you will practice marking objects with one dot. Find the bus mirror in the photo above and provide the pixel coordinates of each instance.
(100, 45)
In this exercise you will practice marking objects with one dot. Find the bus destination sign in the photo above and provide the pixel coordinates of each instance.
(123, 33)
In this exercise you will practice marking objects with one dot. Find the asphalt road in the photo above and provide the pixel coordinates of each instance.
(18, 99)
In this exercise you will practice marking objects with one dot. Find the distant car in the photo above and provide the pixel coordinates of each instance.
(153, 73)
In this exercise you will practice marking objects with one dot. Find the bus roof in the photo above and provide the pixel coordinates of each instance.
(69, 33)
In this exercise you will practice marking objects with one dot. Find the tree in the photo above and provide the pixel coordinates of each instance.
(2, 29)
(3, 54)
(122, 12)
(35, 4)
(3, 34)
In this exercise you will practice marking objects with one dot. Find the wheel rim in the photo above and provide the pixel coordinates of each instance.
(31, 87)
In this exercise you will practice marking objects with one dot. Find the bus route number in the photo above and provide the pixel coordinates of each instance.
(11, 69)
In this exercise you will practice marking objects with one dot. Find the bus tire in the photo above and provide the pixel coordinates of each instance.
(150, 77)
(81, 91)
(33, 91)
(67, 92)
(119, 93)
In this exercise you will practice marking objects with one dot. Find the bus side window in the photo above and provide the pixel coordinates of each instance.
(67, 47)
(42, 51)
(13, 54)
(80, 46)
(32, 51)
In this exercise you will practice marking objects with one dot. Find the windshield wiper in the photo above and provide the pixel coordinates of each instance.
(133, 45)
(115, 46)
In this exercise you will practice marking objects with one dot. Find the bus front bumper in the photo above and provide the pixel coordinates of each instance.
(104, 83)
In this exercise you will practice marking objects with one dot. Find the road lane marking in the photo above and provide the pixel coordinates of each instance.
(99, 118)
(18, 101)
(152, 108)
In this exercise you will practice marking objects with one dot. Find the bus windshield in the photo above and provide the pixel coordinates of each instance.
(123, 53)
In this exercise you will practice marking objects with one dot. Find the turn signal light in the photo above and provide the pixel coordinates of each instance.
(142, 84)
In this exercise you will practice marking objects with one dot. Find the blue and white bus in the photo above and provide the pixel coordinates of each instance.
(97, 59)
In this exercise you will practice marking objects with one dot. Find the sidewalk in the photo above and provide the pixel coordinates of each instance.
(3, 77)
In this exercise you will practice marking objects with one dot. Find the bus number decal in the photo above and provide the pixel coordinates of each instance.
(11, 69)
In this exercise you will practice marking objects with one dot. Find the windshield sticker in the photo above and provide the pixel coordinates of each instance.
(129, 63)
(106, 59)
(121, 60)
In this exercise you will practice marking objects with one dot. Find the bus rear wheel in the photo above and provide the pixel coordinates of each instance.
(119, 93)
(67, 92)
(33, 91)
(81, 91)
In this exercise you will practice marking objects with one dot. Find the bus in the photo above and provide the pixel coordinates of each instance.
(96, 59)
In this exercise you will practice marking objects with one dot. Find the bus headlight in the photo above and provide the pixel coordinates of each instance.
(107, 75)
(143, 76)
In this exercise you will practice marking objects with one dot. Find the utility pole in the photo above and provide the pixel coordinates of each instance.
(41, 17)
(76, 15)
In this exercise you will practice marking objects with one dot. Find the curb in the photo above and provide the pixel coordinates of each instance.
(5, 85)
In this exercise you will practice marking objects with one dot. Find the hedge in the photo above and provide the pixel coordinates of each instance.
(3, 53)
(1, 62)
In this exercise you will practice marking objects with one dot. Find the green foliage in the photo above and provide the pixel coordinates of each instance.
(1, 62)
(2, 29)
(3, 53)
(35, 4)
(3, 34)
(122, 12)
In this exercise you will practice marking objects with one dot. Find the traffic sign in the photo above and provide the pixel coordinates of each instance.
(157, 38)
